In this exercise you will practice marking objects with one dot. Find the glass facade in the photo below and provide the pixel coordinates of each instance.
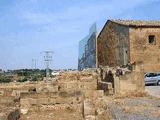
(87, 50)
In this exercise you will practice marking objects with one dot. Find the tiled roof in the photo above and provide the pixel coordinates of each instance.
(138, 23)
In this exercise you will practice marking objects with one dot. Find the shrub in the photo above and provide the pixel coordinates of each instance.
(22, 80)
(5, 80)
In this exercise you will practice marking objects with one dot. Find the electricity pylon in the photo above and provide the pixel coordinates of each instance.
(47, 60)
(34, 63)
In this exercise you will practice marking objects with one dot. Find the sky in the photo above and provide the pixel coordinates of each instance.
(29, 27)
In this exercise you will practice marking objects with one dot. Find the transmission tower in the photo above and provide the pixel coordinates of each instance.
(34, 63)
(47, 60)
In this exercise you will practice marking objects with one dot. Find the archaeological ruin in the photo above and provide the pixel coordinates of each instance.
(109, 87)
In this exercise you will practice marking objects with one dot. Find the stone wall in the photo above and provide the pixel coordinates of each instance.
(143, 51)
(113, 45)
(127, 82)
(132, 82)
(75, 95)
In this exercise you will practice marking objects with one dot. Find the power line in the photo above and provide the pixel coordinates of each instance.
(34, 63)
(47, 59)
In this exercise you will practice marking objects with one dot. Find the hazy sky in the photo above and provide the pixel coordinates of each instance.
(28, 27)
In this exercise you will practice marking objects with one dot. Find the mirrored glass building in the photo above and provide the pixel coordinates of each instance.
(87, 50)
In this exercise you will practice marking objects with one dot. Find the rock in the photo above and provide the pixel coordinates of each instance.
(24, 111)
(89, 108)
(90, 117)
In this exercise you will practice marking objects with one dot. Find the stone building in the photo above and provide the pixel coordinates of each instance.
(123, 42)
(133, 44)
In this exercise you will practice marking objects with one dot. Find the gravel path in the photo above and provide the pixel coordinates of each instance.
(153, 90)
(135, 109)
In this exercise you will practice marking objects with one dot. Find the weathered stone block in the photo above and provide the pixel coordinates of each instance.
(3, 116)
(89, 108)
(109, 92)
(94, 94)
(1, 93)
(42, 101)
(24, 111)
(105, 86)
(90, 117)
(33, 101)
(25, 103)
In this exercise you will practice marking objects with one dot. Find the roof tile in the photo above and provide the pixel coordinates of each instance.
(137, 23)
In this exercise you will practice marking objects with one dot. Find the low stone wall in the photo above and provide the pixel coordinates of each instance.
(78, 85)
(60, 98)
(48, 88)
(97, 94)
(123, 80)
(96, 110)
(8, 101)
(106, 87)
